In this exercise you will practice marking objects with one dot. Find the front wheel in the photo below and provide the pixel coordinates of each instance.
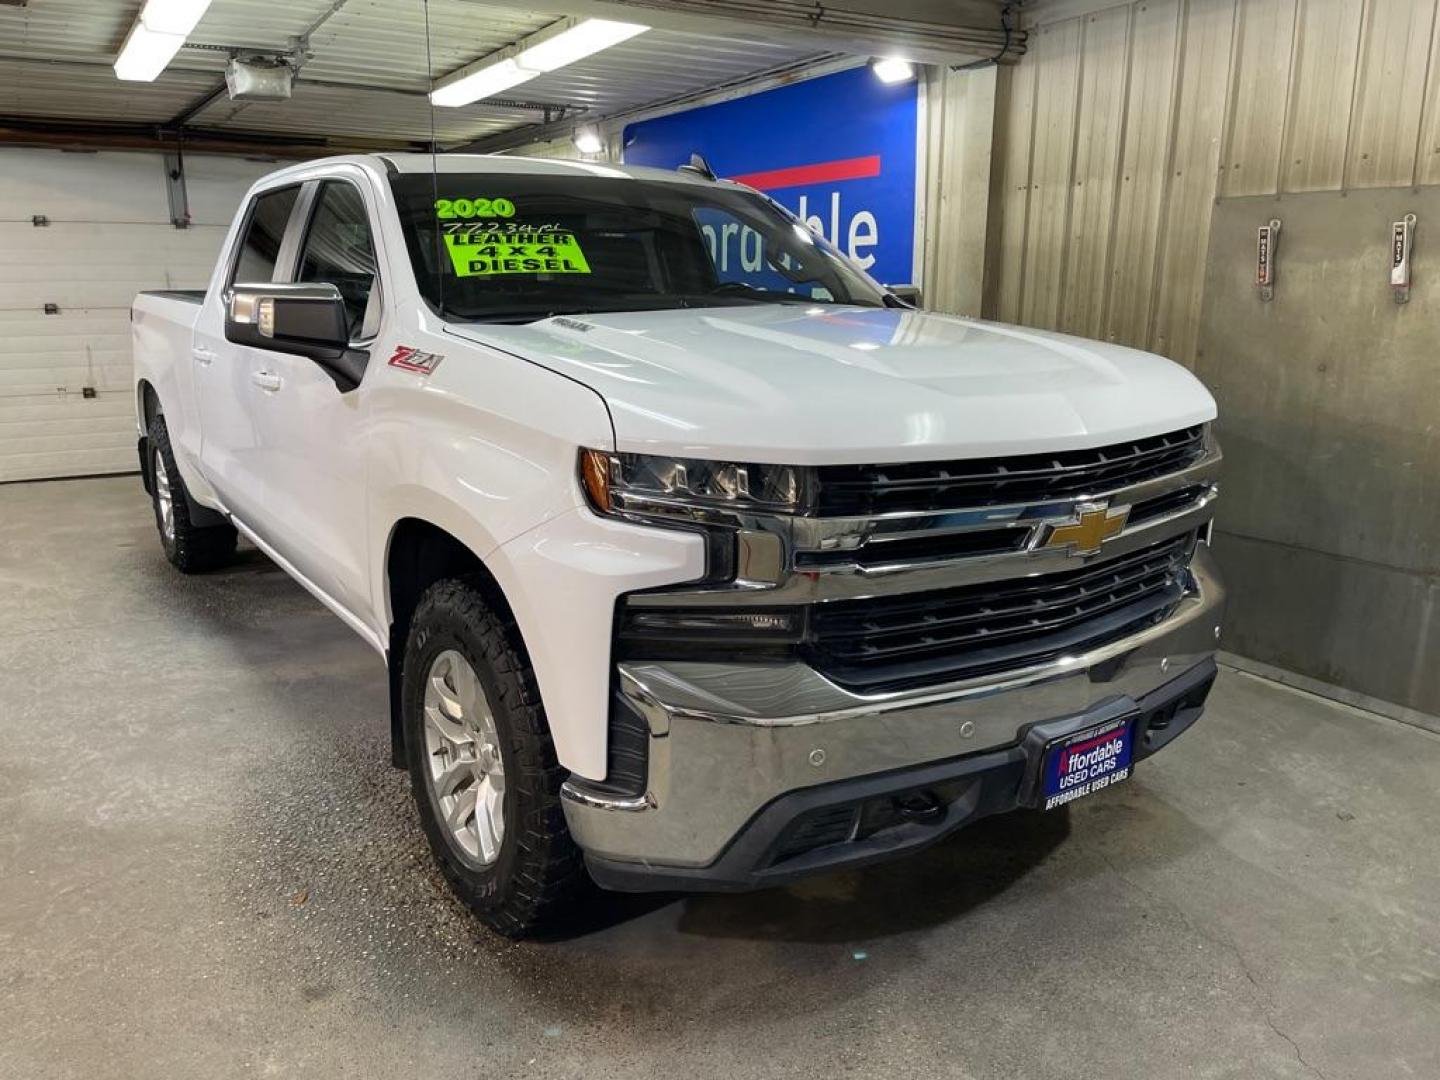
(483, 767)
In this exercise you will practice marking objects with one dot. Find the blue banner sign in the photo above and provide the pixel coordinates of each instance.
(839, 151)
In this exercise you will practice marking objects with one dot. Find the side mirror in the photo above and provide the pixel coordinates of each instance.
(308, 320)
(908, 295)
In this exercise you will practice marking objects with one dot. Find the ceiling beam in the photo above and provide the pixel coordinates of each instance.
(928, 31)
(185, 115)
(102, 135)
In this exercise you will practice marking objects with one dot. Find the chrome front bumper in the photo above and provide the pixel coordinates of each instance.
(725, 740)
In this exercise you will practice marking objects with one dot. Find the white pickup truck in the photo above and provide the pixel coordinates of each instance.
(698, 559)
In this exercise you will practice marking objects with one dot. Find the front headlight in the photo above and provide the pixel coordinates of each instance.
(646, 486)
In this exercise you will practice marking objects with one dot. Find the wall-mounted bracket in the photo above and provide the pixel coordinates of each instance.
(1402, 242)
(176, 191)
(1267, 242)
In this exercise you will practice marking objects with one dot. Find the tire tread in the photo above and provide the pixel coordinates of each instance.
(195, 549)
(548, 879)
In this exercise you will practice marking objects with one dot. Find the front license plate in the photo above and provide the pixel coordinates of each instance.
(1086, 762)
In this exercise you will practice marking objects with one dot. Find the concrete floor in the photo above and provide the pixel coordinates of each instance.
(207, 868)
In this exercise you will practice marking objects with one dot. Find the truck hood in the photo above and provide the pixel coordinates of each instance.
(843, 385)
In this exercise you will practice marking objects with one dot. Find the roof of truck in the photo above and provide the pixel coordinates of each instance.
(503, 163)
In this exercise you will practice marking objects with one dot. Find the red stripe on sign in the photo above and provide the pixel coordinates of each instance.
(826, 172)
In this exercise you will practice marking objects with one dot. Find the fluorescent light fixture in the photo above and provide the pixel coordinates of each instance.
(582, 40)
(173, 16)
(158, 33)
(552, 49)
(893, 70)
(487, 82)
(588, 141)
(146, 53)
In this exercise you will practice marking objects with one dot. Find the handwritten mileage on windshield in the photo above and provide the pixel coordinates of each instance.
(481, 251)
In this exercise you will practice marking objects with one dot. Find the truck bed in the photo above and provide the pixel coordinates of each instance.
(162, 333)
(187, 296)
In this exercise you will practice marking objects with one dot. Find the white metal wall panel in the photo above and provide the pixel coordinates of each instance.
(1097, 153)
(109, 237)
(1057, 104)
(1327, 47)
(1427, 162)
(1149, 110)
(959, 128)
(1015, 132)
(1264, 30)
(1390, 93)
(1194, 163)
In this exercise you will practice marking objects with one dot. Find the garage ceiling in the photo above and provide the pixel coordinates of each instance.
(364, 73)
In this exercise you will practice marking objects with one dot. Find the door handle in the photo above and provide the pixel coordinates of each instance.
(266, 380)
(202, 355)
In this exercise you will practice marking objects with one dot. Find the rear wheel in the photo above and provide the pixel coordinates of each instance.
(483, 767)
(192, 549)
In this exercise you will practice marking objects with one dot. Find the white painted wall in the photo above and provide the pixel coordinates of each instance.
(109, 237)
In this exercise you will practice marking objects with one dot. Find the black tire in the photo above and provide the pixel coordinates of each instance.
(191, 548)
(537, 881)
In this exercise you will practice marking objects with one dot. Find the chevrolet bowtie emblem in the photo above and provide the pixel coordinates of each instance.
(1095, 523)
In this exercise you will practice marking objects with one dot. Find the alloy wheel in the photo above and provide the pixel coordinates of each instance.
(464, 768)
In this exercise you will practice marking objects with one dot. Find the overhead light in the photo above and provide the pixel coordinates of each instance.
(893, 69)
(548, 50)
(581, 40)
(157, 35)
(487, 82)
(173, 16)
(588, 141)
(146, 53)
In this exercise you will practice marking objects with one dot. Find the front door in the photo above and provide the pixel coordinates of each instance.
(308, 432)
(281, 442)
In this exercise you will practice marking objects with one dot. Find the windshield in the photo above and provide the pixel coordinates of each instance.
(511, 247)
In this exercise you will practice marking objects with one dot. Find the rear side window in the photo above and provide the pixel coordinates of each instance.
(338, 249)
(260, 250)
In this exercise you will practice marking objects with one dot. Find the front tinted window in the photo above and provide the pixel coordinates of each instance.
(515, 247)
(260, 249)
(338, 249)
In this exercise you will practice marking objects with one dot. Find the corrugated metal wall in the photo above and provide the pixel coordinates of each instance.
(1121, 127)
(1138, 146)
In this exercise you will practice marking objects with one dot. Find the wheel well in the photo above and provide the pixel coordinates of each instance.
(420, 554)
(149, 403)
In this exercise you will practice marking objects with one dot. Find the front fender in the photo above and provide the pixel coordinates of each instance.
(562, 580)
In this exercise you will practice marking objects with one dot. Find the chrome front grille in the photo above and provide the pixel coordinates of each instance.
(909, 639)
(928, 487)
(915, 576)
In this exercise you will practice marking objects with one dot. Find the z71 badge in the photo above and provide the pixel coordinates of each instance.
(407, 358)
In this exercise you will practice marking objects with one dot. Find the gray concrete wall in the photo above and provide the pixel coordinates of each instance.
(1329, 527)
